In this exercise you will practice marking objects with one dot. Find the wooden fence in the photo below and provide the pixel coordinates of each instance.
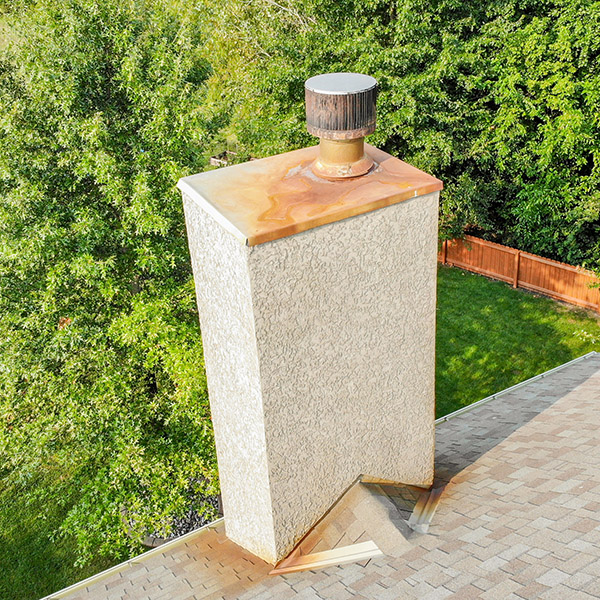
(521, 269)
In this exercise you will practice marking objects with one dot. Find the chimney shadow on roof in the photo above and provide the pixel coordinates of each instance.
(463, 439)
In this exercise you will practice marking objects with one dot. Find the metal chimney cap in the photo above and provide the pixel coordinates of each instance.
(340, 83)
(340, 106)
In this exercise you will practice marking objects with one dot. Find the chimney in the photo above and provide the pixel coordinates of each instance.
(315, 276)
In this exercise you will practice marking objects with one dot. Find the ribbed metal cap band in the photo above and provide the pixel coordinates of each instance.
(341, 106)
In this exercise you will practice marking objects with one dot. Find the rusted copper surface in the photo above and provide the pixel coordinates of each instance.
(271, 198)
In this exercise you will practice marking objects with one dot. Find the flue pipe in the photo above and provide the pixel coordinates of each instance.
(340, 110)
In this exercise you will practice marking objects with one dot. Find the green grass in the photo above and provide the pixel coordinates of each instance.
(491, 336)
(31, 564)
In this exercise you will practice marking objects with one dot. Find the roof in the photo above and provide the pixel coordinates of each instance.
(267, 199)
(518, 517)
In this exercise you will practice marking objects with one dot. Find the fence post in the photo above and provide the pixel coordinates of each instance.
(445, 252)
(516, 272)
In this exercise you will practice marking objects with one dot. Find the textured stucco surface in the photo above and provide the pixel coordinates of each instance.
(319, 350)
(220, 269)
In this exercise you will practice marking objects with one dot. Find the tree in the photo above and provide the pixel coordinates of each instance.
(103, 399)
(545, 134)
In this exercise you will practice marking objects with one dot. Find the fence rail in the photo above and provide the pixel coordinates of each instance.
(521, 269)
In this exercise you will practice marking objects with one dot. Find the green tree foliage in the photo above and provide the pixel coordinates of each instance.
(103, 403)
(500, 99)
(545, 134)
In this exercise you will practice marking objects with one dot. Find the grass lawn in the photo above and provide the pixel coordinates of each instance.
(31, 565)
(489, 338)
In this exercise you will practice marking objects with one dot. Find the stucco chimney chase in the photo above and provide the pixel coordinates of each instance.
(316, 286)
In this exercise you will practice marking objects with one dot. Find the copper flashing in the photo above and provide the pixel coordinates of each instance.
(264, 200)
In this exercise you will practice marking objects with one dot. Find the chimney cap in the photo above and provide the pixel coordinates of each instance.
(340, 83)
(340, 106)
